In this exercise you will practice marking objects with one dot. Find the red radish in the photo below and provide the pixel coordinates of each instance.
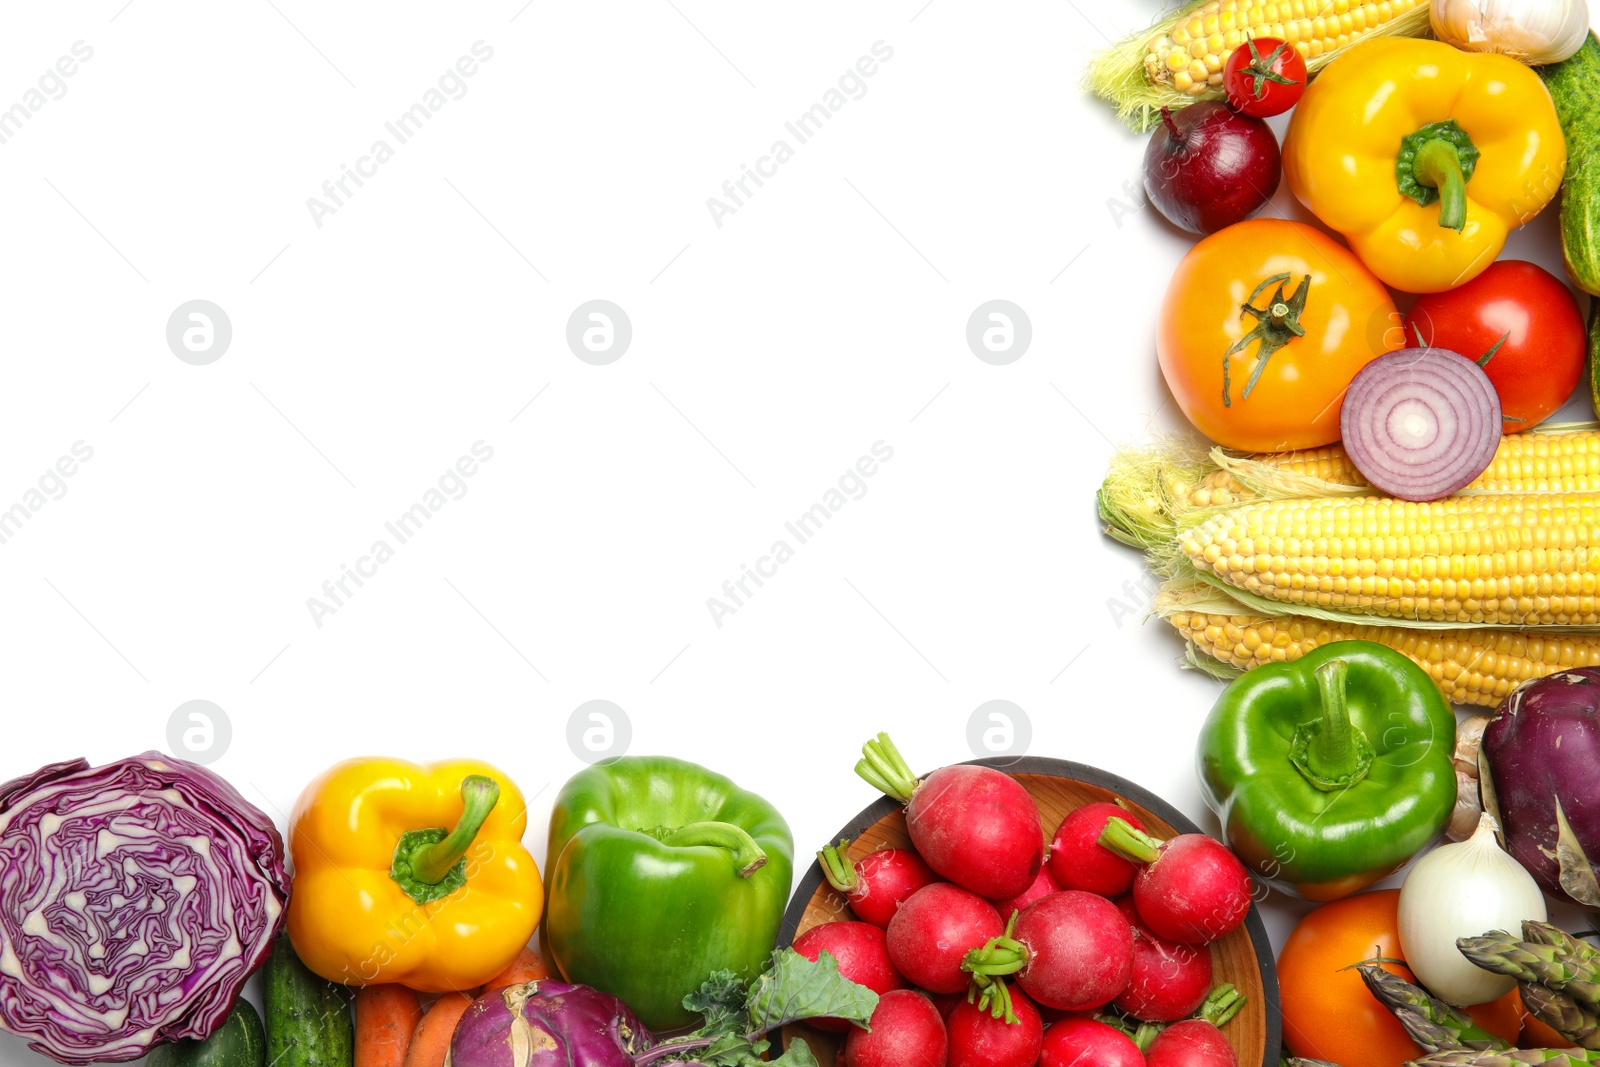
(862, 952)
(906, 1032)
(1078, 859)
(1071, 950)
(1191, 888)
(876, 884)
(1192, 1043)
(1042, 886)
(974, 825)
(979, 1039)
(934, 930)
(1087, 1043)
(1170, 980)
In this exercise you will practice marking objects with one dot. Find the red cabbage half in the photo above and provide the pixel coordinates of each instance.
(135, 899)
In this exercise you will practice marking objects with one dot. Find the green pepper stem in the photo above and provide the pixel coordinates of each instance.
(1438, 165)
(1331, 753)
(748, 857)
(836, 866)
(886, 770)
(431, 862)
(1132, 845)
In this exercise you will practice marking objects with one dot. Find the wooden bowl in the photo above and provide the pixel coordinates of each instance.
(1244, 957)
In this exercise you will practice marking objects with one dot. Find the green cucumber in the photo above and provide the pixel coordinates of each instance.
(1574, 85)
(308, 1018)
(1594, 351)
(239, 1043)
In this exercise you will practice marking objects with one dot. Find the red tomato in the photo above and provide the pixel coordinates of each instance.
(1539, 364)
(1264, 76)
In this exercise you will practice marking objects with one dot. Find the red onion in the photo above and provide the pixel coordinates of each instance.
(1421, 423)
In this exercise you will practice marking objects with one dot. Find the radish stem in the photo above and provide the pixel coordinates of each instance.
(886, 770)
(1120, 837)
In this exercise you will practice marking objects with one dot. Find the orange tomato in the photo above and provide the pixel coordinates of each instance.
(1328, 1014)
(1346, 321)
(1502, 1017)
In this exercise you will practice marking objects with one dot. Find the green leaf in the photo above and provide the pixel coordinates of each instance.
(795, 988)
(720, 1002)
(732, 1050)
(798, 1055)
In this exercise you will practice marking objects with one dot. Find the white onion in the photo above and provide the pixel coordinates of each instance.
(1463, 890)
(1421, 423)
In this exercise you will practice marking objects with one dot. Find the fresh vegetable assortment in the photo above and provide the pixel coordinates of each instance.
(1375, 518)
(1377, 525)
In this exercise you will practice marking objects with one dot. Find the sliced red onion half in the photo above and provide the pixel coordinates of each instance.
(1421, 423)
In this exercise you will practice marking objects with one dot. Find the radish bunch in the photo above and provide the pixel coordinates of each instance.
(990, 948)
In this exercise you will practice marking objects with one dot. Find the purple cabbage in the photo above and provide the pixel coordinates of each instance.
(548, 1024)
(135, 899)
(1540, 776)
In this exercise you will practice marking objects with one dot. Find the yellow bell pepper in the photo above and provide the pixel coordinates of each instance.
(411, 873)
(1425, 157)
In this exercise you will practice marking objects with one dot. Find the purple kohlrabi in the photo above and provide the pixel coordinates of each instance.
(548, 1024)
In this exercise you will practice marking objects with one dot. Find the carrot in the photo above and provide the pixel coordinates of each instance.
(386, 1017)
(529, 966)
(431, 1042)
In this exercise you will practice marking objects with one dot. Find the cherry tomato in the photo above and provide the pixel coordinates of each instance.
(1541, 359)
(1272, 378)
(1264, 76)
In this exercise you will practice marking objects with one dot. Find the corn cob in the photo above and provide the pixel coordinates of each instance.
(1495, 560)
(1180, 59)
(1471, 666)
(1149, 491)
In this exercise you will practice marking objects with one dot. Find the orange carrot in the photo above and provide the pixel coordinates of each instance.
(529, 966)
(431, 1041)
(386, 1017)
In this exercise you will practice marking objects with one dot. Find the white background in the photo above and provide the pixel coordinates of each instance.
(429, 312)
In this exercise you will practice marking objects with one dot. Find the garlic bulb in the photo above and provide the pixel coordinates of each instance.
(1534, 31)
(1469, 738)
(1463, 890)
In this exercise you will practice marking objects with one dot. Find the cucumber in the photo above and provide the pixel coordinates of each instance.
(1574, 85)
(308, 1018)
(239, 1043)
(1594, 351)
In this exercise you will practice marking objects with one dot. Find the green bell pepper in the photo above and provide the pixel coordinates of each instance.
(660, 873)
(1331, 771)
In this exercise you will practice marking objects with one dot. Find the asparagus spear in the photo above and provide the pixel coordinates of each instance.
(1546, 934)
(1531, 961)
(1515, 1057)
(1577, 1024)
(1434, 1025)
